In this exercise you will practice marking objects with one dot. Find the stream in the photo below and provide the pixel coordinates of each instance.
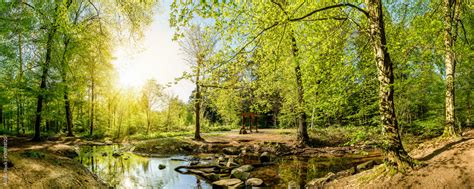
(130, 170)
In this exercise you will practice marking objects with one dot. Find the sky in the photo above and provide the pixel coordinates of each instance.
(156, 56)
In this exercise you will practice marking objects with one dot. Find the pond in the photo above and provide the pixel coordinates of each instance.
(133, 171)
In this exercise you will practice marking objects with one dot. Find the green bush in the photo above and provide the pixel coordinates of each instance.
(32, 154)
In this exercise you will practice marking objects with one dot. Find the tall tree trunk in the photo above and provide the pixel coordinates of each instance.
(451, 16)
(197, 103)
(168, 117)
(67, 105)
(42, 89)
(395, 154)
(302, 134)
(1, 114)
(19, 118)
(147, 121)
(92, 106)
(468, 109)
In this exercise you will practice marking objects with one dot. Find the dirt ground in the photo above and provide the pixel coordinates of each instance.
(448, 164)
(46, 165)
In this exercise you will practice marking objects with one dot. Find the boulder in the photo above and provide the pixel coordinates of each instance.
(367, 165)
(161, 166)
(319, 182)
(254, 182)
(265, 157)
(221, 159)
(228, 183)
(231, 151)
(213, 176)
(242, 172)
(230, 162)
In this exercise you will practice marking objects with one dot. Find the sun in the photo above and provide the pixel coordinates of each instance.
(133, 69)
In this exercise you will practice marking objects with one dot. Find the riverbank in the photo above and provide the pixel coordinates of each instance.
(53, 163)
(447, 164)
(49, 164)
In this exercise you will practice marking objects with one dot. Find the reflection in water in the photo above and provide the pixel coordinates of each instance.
(295, 170)
(133, 171)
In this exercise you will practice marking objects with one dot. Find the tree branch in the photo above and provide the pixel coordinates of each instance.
(330, 7)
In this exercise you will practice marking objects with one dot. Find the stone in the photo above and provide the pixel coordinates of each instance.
(293, 185)
(221, 159)
(230, 162)
(227, 183)
(213, 177)
(242, 172)
(265, 157)
(161, 166)
(365, 166)
(254, 182)
(231, 151)
(319, 182)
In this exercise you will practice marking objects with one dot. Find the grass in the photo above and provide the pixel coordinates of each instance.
(345, 136)
(159, 135)
(32, 154)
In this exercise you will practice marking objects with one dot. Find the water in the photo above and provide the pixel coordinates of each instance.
(297, 171)
(133, 171)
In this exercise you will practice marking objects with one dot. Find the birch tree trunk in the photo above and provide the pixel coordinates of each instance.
(395, 154)
(451, 9)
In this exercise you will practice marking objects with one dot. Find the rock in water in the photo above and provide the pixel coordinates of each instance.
(161, 166)
(228, 183)
(254, 182)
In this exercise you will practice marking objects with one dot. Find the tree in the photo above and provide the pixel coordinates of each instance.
(151, 93)
(198, 48)
(395, 154)
(452, 11)
(52, 27)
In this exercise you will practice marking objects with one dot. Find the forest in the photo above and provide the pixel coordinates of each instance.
(330, 85)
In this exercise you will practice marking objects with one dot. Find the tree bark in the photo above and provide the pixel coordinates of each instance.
(147, 120)
(197, 103)
(1, 113)
(302, 134)
(92, 106)
(19, 118)
(468, 109)
(42, 89)
(395, 154)
(67, 104)
(451, 16)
